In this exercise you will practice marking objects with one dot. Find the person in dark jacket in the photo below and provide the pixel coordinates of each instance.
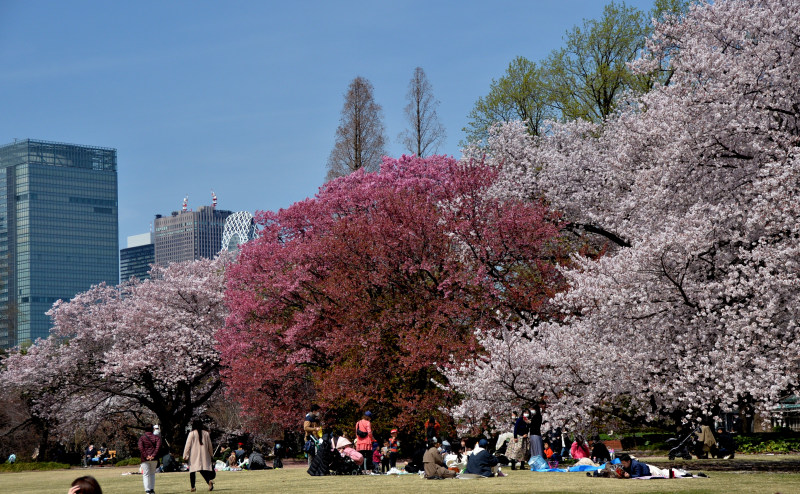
(633, 468)
(321, 463)
(169, 464)
(600, 453)
(481, 462)
(257, 461)
(726, 445)
(417, 463)
(149, 446)
(519, 443)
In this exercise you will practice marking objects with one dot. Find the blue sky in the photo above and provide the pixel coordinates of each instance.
(245, 97)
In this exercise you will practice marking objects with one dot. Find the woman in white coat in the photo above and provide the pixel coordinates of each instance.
(198, 453)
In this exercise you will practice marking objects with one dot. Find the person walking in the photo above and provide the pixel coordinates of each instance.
(149, 446)
(198, 453)
(364, 439)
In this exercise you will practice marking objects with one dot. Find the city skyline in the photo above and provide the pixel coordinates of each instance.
(198, 96)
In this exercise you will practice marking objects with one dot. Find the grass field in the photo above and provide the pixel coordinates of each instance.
(297, 481)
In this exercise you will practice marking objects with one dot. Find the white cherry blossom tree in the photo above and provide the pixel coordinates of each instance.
(138, 352)
(696, 191)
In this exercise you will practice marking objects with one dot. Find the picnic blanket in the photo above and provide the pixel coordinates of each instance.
(539, 467)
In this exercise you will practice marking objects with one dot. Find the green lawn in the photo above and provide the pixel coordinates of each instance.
(296, 480)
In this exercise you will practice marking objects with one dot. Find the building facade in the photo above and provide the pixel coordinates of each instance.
(58, 230)
(239, 229)
(135, 260)
(189, 235)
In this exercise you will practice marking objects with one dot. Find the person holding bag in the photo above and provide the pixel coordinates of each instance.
(364, 439)
(198, 453)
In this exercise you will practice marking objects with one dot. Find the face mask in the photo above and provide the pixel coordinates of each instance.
(157, 432)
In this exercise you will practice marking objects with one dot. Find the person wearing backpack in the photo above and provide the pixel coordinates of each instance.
(364, 439)
(313, 431)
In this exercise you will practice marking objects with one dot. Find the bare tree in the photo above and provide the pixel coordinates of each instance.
(426, 132)
(360, 140)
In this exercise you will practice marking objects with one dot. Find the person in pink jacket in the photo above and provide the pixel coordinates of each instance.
(579, 448)
(364, 439)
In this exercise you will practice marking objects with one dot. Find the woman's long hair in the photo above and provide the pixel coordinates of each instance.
(197, 425)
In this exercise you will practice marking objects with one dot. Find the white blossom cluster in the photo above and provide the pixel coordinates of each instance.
(696, 187)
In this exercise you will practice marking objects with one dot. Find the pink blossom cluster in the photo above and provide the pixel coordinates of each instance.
(696, 189)
(143, 346)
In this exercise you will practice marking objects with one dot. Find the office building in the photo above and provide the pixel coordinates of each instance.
(239, 229)
(135, 260)
(58, 230)
(189, 235)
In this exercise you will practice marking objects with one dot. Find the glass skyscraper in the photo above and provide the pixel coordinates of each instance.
(58, 230)
(135, 260)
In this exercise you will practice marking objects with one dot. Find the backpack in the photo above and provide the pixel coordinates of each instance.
(310, 446)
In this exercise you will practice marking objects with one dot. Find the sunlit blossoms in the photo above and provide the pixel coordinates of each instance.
(120, 351)
(696, 190)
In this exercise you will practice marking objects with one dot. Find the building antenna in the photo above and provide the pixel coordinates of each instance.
(185, 203)
(213, 199)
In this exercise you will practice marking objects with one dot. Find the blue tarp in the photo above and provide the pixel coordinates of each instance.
(576, 468)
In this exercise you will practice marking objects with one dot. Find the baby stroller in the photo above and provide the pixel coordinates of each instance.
(682, 448)
(344, 465)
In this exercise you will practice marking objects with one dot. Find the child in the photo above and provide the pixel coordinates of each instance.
(376, 457)
(385, 457)
(345, 448)
(548, 451)
(394, 446)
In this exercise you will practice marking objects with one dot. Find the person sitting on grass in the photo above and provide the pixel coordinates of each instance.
(257, 461)
(169, 464)
(600, 453)
(726, 445)
(483, 463)
(633, 468)
(579, 448)
(434, 463)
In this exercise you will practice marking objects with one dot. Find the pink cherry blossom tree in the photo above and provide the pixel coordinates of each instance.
(140, 352)
(696, 190)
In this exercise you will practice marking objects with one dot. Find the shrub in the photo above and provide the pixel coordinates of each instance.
(31, 466)
(127, 462)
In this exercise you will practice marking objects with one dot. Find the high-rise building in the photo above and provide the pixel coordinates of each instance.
(135, 260)
(189, 235)
(58, 230)
(239, 229)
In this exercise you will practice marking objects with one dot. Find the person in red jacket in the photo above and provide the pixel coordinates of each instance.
(364, 439)
(149, 446)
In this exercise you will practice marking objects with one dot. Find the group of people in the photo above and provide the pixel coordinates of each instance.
(472, 459)
(367, 452)
(95, 456)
